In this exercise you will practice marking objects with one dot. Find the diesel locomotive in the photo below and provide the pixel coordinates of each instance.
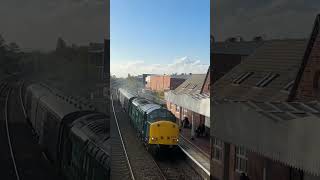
(73, 136)
(155, 125)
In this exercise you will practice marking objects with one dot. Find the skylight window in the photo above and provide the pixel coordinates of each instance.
(242, 77)
(186, 86)
(193, 86)
(289, 86)
(267, 79)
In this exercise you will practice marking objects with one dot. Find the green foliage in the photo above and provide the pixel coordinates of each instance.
(61, 44)
(160, 94)
(66, 68)
(133, 84)
(10, 55)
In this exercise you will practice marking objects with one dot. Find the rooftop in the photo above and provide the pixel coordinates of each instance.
(265, 74)
(238, 48)
(281, 131)
(193, 85)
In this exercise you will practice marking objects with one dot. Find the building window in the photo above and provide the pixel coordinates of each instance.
(217, 149)
(185, 111)
(192, 87)
(241, 159)
(177, 108)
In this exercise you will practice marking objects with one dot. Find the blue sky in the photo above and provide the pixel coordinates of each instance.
(159, 31)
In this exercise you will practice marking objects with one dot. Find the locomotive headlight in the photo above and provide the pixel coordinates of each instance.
(153, 138)
(175, 139)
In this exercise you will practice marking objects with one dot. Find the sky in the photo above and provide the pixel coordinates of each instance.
(36, 24)
(272, 19)
(149, 36)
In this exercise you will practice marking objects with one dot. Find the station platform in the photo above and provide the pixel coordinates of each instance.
(197, 150)
(202, 142)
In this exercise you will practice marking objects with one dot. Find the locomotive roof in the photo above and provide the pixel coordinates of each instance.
(145, 105)
(95, 129)
(94, 125)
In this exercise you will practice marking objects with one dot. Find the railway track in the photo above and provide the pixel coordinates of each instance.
(168, 165)
(121, 166)
(136, 157)
(173, 166)
(7, 153)
(20, 156)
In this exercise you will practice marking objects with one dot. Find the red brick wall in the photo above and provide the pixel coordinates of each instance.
(256, 165)
(159, 83)
(162, 83)
(277, 171)
(173, 109)
(196, 117)
(306, 91)
(232, 174)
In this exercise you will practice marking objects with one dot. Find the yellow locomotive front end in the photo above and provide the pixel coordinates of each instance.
(163, 133)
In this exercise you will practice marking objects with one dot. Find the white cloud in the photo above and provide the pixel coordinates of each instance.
(181, 65)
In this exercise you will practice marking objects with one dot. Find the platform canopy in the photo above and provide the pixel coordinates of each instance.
(198, 103)
(285, 132)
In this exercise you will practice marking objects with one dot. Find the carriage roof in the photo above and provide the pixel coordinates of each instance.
(57, 105)
(38, 90)
(126, 93)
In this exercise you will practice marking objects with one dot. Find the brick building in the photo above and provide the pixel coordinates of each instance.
(260, 125)
(226, 55)
(192, 100)
(98, 58)
(164, 82)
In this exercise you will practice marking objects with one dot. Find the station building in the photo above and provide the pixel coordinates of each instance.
(161, 83)
(192, 100)
(266, 113)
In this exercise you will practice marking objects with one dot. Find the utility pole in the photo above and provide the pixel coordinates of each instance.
(192, 126)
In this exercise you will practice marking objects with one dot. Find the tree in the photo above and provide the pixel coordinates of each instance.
(258, 38)
(61, 44)
(2, 41)
(2, 50)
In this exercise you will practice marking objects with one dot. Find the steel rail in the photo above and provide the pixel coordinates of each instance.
(122, 142)
(8, 135)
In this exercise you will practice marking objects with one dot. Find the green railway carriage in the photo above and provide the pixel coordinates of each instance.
(155, 125)
(74, 137)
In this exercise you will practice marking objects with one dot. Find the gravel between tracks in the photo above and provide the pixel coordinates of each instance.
(142, 163)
